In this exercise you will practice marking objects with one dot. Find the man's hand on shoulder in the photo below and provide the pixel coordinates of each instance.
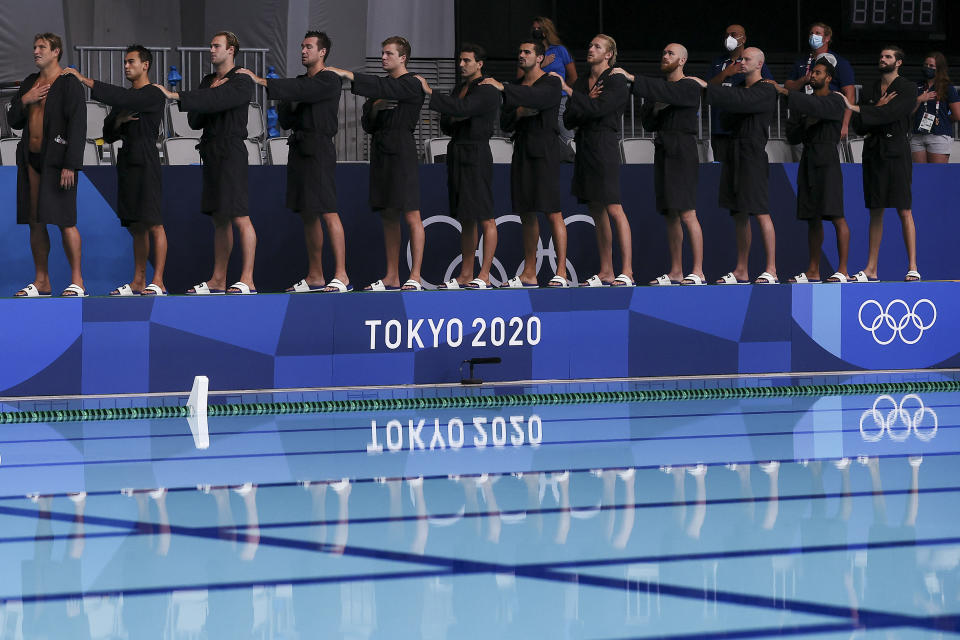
(257, 79)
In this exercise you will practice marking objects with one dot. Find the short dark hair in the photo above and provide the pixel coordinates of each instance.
(898, 53)
(323, 40)
(403, 47)
(537, 46)
(828, 68)
(232, 41)
(52, 39)
(827, 31)
(479, 53)
(143, 52)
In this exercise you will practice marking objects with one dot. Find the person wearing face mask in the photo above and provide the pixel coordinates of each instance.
(938, 105)
(725, 71)
(556, 59)
(819, 39)
(883, 117)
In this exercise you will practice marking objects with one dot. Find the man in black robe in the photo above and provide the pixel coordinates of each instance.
(135, 120)
(468, 116)
(816, 122)
(595, 106)
(391, 114)
(744, 172)
(309, 106)
(531, 110)
(52, 112)
(671, 111)
(220, 107)
(883, 116)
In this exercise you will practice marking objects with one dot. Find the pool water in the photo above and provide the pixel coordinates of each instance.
(831, 516)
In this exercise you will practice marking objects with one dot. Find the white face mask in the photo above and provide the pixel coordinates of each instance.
(730, 43)
(816, 40)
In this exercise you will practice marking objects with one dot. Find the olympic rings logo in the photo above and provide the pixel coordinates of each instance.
(909, 327)
(899, 421)
(499, 274)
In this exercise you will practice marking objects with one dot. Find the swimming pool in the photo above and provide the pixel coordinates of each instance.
(741, 517)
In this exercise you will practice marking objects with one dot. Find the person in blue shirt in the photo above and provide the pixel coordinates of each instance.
(556, 59)
(938, 106)
(819, 39)
(725, 71)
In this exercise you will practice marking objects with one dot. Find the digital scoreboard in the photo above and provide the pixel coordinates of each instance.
(903, 19)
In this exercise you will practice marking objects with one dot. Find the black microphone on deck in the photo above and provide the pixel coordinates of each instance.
(475, 361)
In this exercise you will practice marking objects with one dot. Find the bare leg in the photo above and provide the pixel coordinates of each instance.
(415, 227)
(559, 230)
(769, 242)
(71, 247)
(938, 158)
(468, 248)
(695, 235)
(489, 248)
(158, 235)
(222, 247)
(40, 248)
(843, 244)
(919, 157)
(814, 247)
(675, 244)
(909, 236)
(39, 237)
(248, 248)
(337, 245)
(744, 238)
(531, 234)
(313, 236)
(624, 238)
(141, 248)
(876, 235)
(390, 218)
(604, 240)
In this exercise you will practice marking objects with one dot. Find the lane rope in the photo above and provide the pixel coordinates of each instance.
(478, 401)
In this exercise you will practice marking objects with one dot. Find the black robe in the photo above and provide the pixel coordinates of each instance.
(139, 192)
(676, 160)
(815, 122)
(394, 172)
(596, 168)
(309, 106)
(887, 164)
(469, 122)
(744, 171)
(64, 135)
(222, 114)
(536, 146)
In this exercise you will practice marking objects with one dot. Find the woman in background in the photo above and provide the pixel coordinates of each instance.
(938, 106)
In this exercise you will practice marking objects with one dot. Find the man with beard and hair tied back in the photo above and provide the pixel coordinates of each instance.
(883, 117)
(530, 111)
(594, 108)
(468, 116)
(671, 111)
(52, 113)
(816, 121)
(135, 120)
(744, 173)
(220, 107)
(390, 114)
(309, 107)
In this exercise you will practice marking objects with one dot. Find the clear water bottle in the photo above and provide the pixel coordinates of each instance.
(273, 120)
(174, 78)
